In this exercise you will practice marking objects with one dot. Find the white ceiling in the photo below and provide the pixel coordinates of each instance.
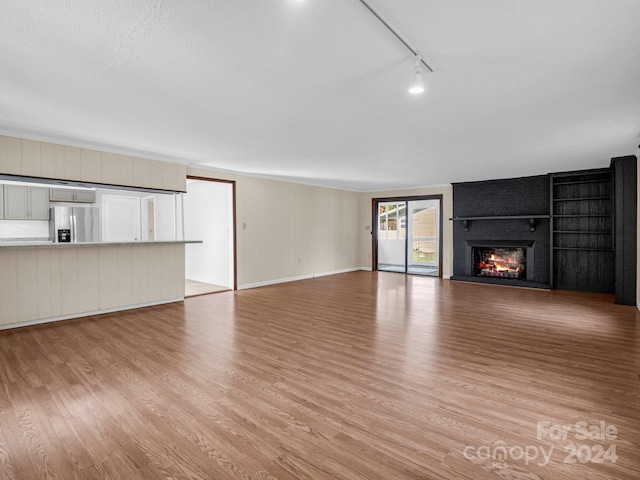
(316, 91)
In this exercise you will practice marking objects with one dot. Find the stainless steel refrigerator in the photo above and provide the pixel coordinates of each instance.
(75, 224)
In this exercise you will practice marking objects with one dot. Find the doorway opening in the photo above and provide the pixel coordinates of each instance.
(209, 215)
(407, 237)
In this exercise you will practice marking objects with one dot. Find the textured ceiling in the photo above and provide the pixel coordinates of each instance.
(316, 91)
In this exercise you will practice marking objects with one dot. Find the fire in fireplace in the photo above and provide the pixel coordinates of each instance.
(499, 262)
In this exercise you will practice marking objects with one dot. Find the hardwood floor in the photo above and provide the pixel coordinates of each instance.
(355, 376)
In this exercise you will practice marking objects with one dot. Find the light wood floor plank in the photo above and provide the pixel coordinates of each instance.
(355, 376)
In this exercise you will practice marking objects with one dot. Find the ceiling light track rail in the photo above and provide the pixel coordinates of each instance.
(376, 13)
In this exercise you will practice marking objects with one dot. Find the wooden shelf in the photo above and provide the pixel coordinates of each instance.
(500, 217)
(584, 249)
(582, 216)
(594, 232)
(582, 182)
(532, 219)
(580, 199)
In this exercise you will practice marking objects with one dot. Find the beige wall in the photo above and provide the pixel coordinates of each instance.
(365, 219)
(47, 160)
(289, 230)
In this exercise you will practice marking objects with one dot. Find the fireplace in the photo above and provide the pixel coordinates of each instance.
(506, 262)
(499, 262)
(510, 213)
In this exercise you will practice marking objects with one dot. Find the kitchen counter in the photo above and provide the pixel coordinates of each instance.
(50, 244)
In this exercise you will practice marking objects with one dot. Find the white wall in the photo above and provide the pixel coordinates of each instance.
(24, 229)
(208, 217)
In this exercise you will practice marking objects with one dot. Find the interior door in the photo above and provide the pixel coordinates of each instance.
(120, 218)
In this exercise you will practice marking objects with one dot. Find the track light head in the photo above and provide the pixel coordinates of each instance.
(417, 86)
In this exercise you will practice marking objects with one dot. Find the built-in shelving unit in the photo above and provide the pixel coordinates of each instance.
(582, 231)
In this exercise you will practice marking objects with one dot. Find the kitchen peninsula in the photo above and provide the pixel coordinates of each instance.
(73, 280)
(44, 281)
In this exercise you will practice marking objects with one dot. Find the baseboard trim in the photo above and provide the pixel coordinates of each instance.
(71, 316)
(300, 277)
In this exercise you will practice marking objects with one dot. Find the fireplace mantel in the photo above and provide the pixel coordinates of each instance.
(532, 219)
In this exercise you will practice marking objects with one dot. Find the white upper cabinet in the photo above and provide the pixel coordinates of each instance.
(85, 196)
(26, 203)
(72, 195)
(61, 195)
(38, 203)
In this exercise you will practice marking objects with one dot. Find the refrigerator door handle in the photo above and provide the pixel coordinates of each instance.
(74, 234)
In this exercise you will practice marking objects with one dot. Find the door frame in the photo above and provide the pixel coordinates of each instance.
(145, 203)
(375, 226)
(233, 220)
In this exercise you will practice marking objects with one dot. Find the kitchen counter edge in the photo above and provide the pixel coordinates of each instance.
(91, 244)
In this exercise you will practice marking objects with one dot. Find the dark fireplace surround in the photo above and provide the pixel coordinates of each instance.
(503, 214)
(578, 230)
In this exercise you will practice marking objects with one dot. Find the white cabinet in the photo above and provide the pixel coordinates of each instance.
(26, 203)
(71, 195)
(38, 203)
(1, 202)
(61, 195)
(85, 196)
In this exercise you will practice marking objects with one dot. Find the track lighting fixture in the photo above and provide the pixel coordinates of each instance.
(417, 86)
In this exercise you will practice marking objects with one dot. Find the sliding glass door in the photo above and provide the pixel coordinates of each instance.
(423, 233)
(407, 236)
(392, 236)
